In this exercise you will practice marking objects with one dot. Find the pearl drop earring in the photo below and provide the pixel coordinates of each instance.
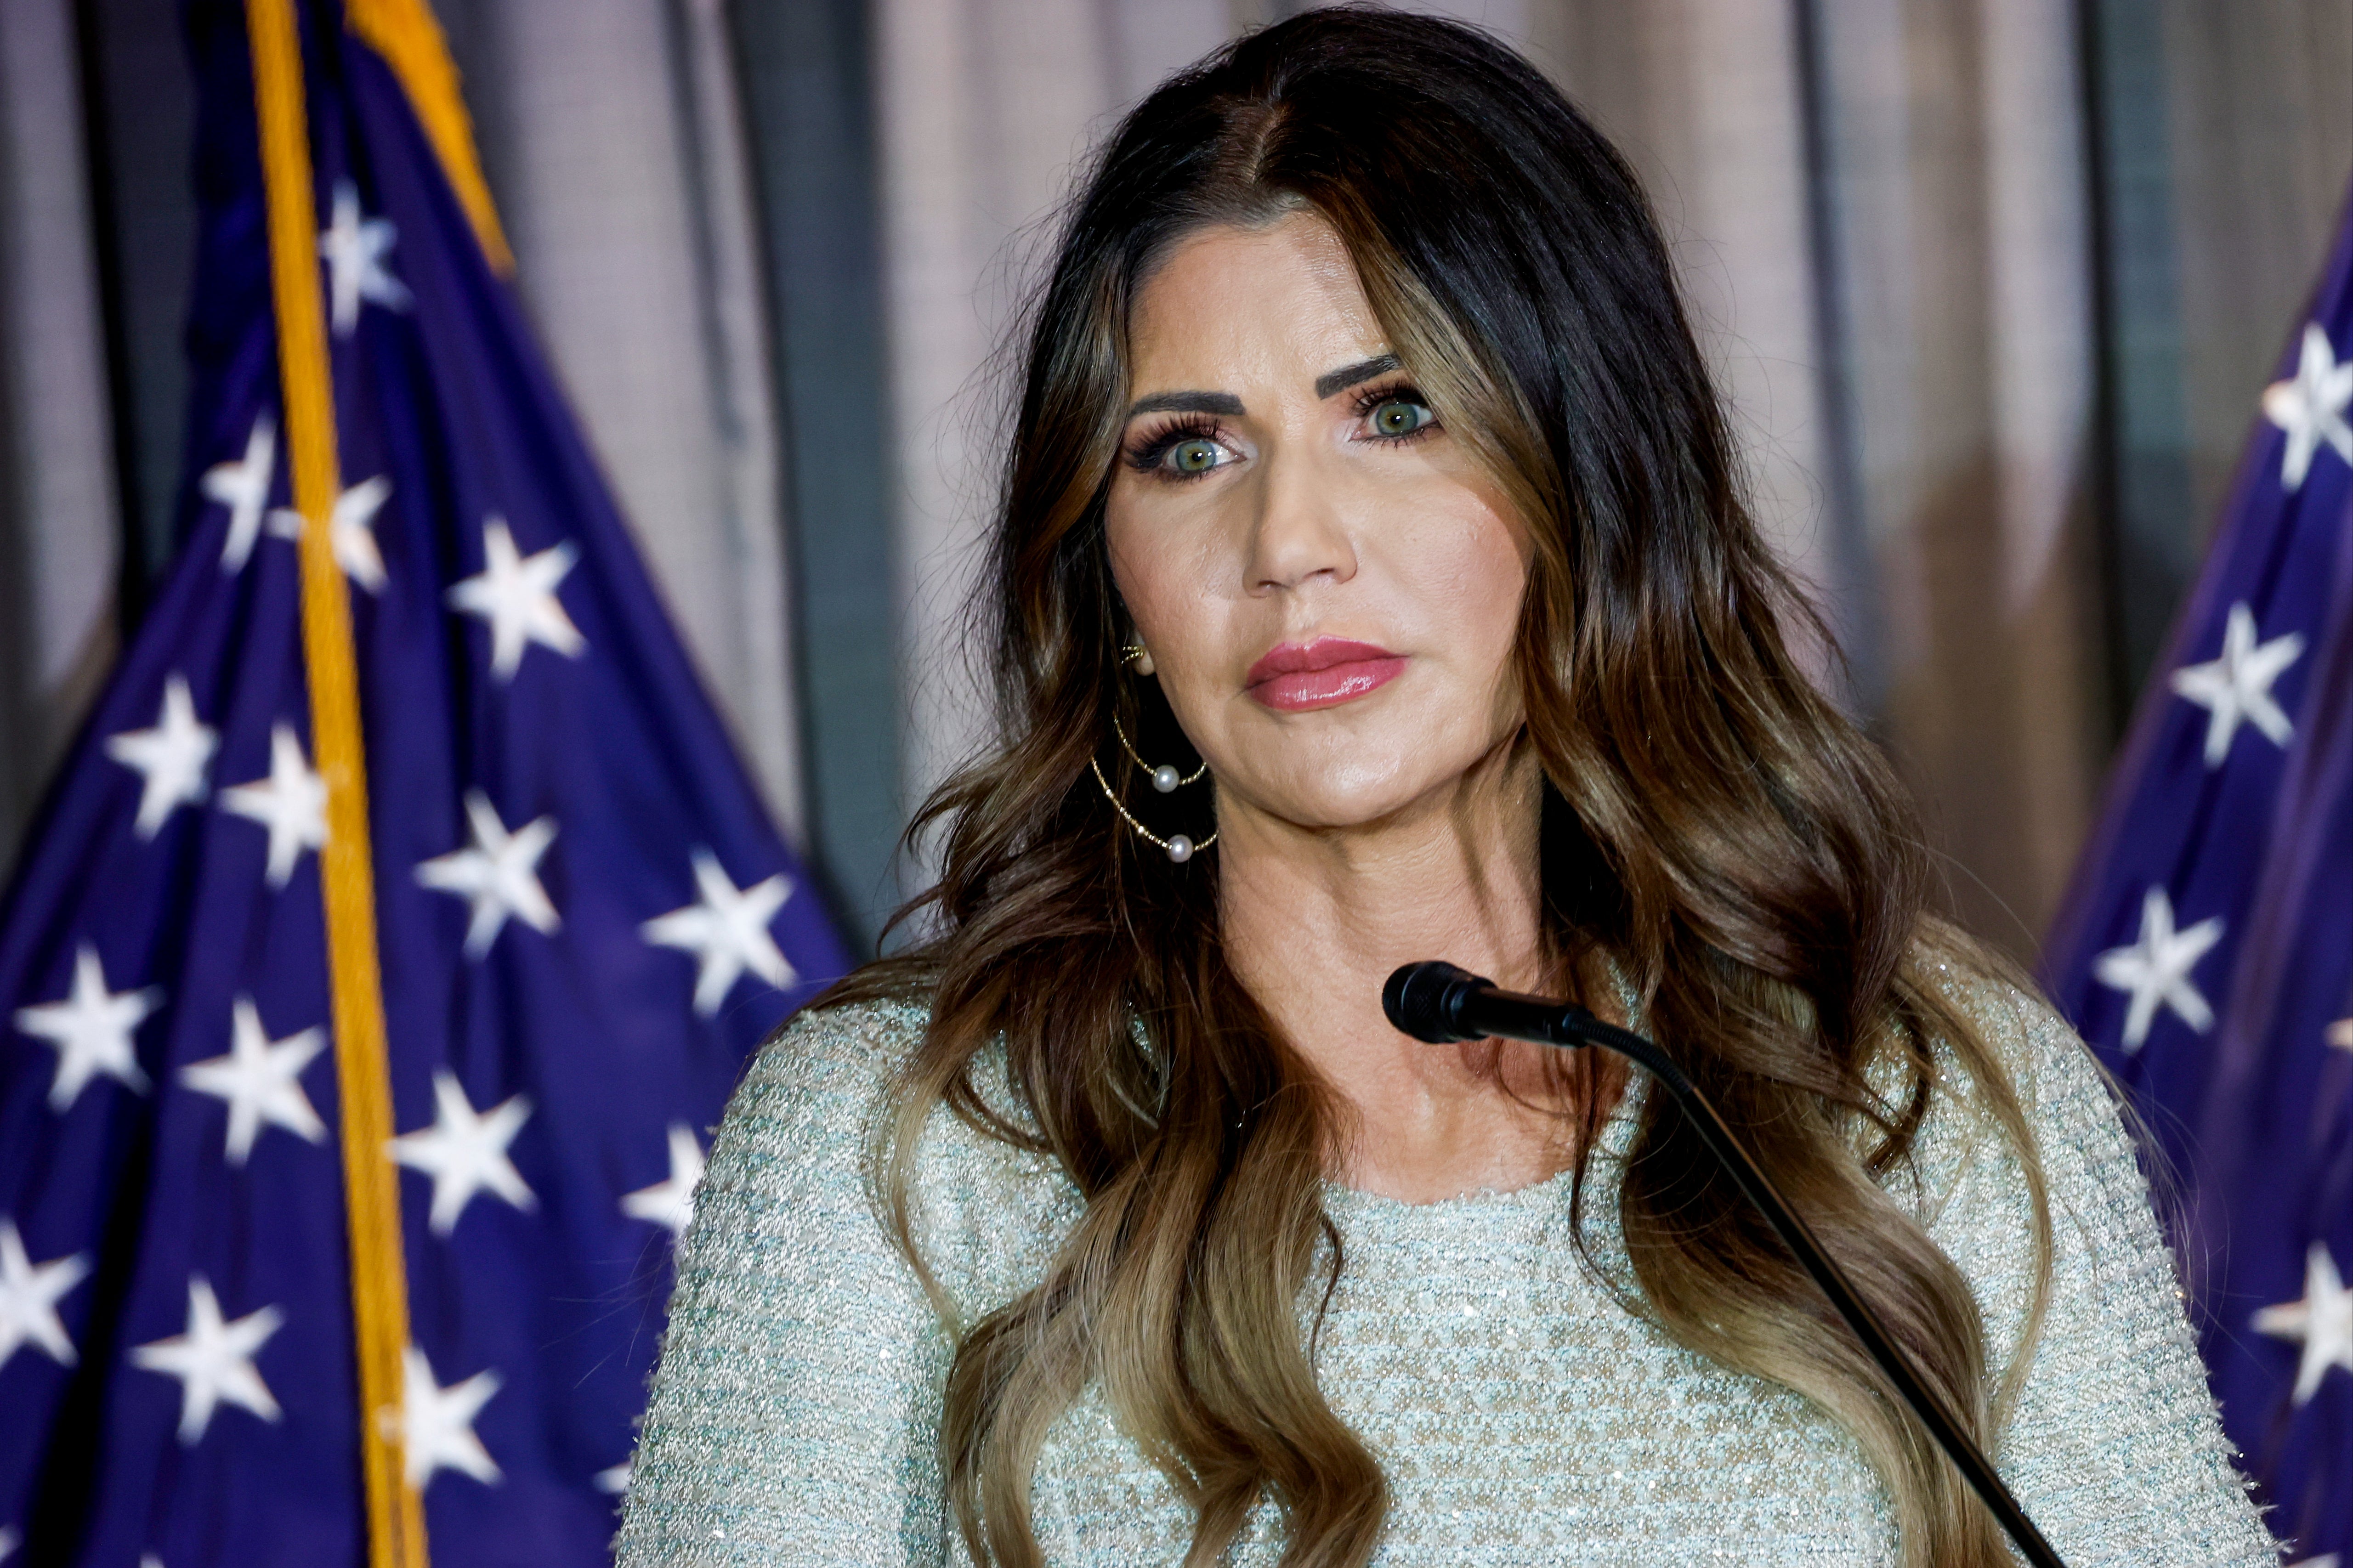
(1164, 778)
(1167, 778)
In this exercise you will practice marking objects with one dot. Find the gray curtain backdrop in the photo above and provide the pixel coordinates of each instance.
(59, 524)
(1992, 286)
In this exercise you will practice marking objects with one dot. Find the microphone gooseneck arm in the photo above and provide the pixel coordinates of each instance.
(1438, 1004)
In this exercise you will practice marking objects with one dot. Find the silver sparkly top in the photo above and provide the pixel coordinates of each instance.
(1521, 1414)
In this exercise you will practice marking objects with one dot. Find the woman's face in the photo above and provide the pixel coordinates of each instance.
(1327, 583)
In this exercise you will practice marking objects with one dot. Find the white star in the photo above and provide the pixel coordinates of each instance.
(91, 1031)
(213, 1361)
(2340, 1034)
(2322, 1321)
(7, 1543)
(291, 802)
(2156, 968)
(172, 757)
(2311, 408)
(354, 249)
(500, 872)
(351, 530)
(2327, 1561)
(261, 1079)
(613, 1480)
(29, 1293)
(671, 1202)
(437, 1423)
(728, 930)
(2239, 684)
(243, 487)
(516, 594)
(465, 1152)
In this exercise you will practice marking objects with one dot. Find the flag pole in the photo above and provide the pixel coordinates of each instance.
(370, 1191)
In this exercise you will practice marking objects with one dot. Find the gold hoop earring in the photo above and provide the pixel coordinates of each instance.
(1164, 778)
(1177, 846)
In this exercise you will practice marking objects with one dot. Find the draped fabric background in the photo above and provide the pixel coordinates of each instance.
(1993, 285)
(58, 521)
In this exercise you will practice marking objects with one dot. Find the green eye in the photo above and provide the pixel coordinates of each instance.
(1400, 417)
(1195, 456)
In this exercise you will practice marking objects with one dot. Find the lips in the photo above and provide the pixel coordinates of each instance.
(1293, 678)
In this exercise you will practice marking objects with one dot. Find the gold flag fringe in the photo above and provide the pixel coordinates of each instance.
(404, 33)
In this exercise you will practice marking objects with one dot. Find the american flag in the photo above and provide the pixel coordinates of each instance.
(2207, 949)
(584, 917)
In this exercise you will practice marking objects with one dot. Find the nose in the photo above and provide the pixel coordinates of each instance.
(1300, 533)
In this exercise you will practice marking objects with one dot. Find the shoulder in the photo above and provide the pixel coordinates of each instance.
(2112, 1440)
(2059, 1085)
(826, 1056)
(787, 1172)
(1975, 1187)
(801, 1133)
(2084, 1136)
(2020, 1048)
(798, 1122)
(797, 1340)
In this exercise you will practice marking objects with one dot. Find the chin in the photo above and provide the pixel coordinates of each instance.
(1362, 794)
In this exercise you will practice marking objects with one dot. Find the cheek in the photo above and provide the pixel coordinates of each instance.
(1467, 571)
(1140, 574)
(1165, 576)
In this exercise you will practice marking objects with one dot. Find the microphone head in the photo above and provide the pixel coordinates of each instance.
(1421, 999)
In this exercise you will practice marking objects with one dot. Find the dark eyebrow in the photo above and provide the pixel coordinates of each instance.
(1348, 375)
(1224, 403)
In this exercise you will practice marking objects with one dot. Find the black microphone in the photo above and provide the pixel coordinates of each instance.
(1438, 1004)
(1441, 1005)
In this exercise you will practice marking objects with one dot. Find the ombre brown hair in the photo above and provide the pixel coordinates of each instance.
(1716, 834)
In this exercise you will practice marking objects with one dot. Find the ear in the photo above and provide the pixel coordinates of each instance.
(1132, 651)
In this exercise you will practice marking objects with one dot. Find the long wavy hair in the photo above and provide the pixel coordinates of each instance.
(1715, 833)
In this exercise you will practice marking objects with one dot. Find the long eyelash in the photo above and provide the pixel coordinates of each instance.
(1372, 397)
(1144, 453)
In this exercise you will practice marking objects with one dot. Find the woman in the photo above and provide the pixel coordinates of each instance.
(1372, 583)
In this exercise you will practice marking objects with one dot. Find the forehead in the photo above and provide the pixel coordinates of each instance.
(1232, 307)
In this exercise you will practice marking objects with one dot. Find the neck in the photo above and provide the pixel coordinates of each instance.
(1316, 919)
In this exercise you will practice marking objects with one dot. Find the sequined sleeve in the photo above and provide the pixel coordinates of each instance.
(795, 1418)
(2113, 1446)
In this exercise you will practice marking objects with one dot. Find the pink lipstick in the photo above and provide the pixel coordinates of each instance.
(1293, 678)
